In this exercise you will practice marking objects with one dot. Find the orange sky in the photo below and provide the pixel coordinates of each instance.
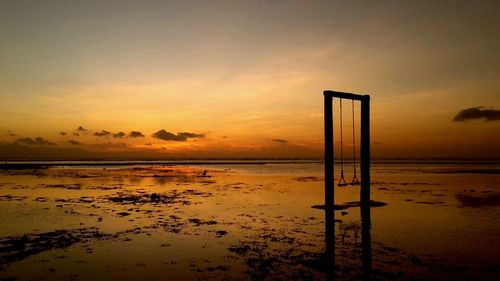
(246, 78)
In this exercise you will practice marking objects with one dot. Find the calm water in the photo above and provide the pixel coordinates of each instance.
(249, 221)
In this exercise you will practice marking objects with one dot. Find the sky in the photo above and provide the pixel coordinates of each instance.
(244, 79)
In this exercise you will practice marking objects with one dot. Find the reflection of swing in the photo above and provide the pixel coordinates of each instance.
(355, 180)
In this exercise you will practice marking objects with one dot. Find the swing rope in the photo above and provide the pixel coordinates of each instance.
(355, 180)
(342, 181)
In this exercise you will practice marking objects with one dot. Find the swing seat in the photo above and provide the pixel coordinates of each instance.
(355, 181)
(342, 181)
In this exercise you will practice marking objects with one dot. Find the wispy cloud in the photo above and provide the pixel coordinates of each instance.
(102, 133)
(280, 140)
(114, 145)
(190, 135)
(74, 142)
(35, 141)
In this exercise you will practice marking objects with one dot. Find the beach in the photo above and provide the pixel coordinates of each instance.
(247, 220)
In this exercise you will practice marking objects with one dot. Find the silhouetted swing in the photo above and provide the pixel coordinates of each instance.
(355, 180)
(342, 181)
(363, 153)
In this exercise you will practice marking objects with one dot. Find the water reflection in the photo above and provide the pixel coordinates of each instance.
(366, 242)
(366, 251)
(330, 243)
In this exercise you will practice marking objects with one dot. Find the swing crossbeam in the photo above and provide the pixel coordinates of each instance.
(329, 144)
(347, 96)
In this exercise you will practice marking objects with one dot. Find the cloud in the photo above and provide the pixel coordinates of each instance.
(36, 141)
(62, 133)
(11, 134)
(477, 113)
(136, 134)
(182, 136)
(114, 145)
(82, 129)
(119, 135)
(190, 135)
(280, 140)
(74, 142)
(76, 134)
(102, 133)
(164, 135)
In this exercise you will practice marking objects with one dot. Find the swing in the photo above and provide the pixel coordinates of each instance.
(342, 181)
(355, 180)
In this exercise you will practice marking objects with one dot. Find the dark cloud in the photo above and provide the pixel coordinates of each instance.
(190, 135)
(136, 134)
(74, 142)
(119, 135)
(280, 140)
(102, 133)
(11, 134)
(164, 135)
(36, 141)
(477, 113)
(76, 134)
(182, 136)
(82, 129)
(62, 133)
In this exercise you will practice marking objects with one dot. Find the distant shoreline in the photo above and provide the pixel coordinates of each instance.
(57, 163)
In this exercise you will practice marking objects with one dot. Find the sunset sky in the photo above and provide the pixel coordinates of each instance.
(244, 79)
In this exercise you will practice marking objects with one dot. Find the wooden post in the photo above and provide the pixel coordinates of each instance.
(365, 151)
(365, 189)
(329, 187)
(329, 192)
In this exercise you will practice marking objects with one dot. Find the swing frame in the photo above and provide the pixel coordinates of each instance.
(364, 147)
(364, 173)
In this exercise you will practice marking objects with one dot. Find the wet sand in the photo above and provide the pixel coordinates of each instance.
(252, 221)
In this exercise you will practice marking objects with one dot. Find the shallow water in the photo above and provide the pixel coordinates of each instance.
(247, 222)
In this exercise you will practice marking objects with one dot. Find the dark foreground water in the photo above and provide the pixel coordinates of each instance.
(247, 221)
